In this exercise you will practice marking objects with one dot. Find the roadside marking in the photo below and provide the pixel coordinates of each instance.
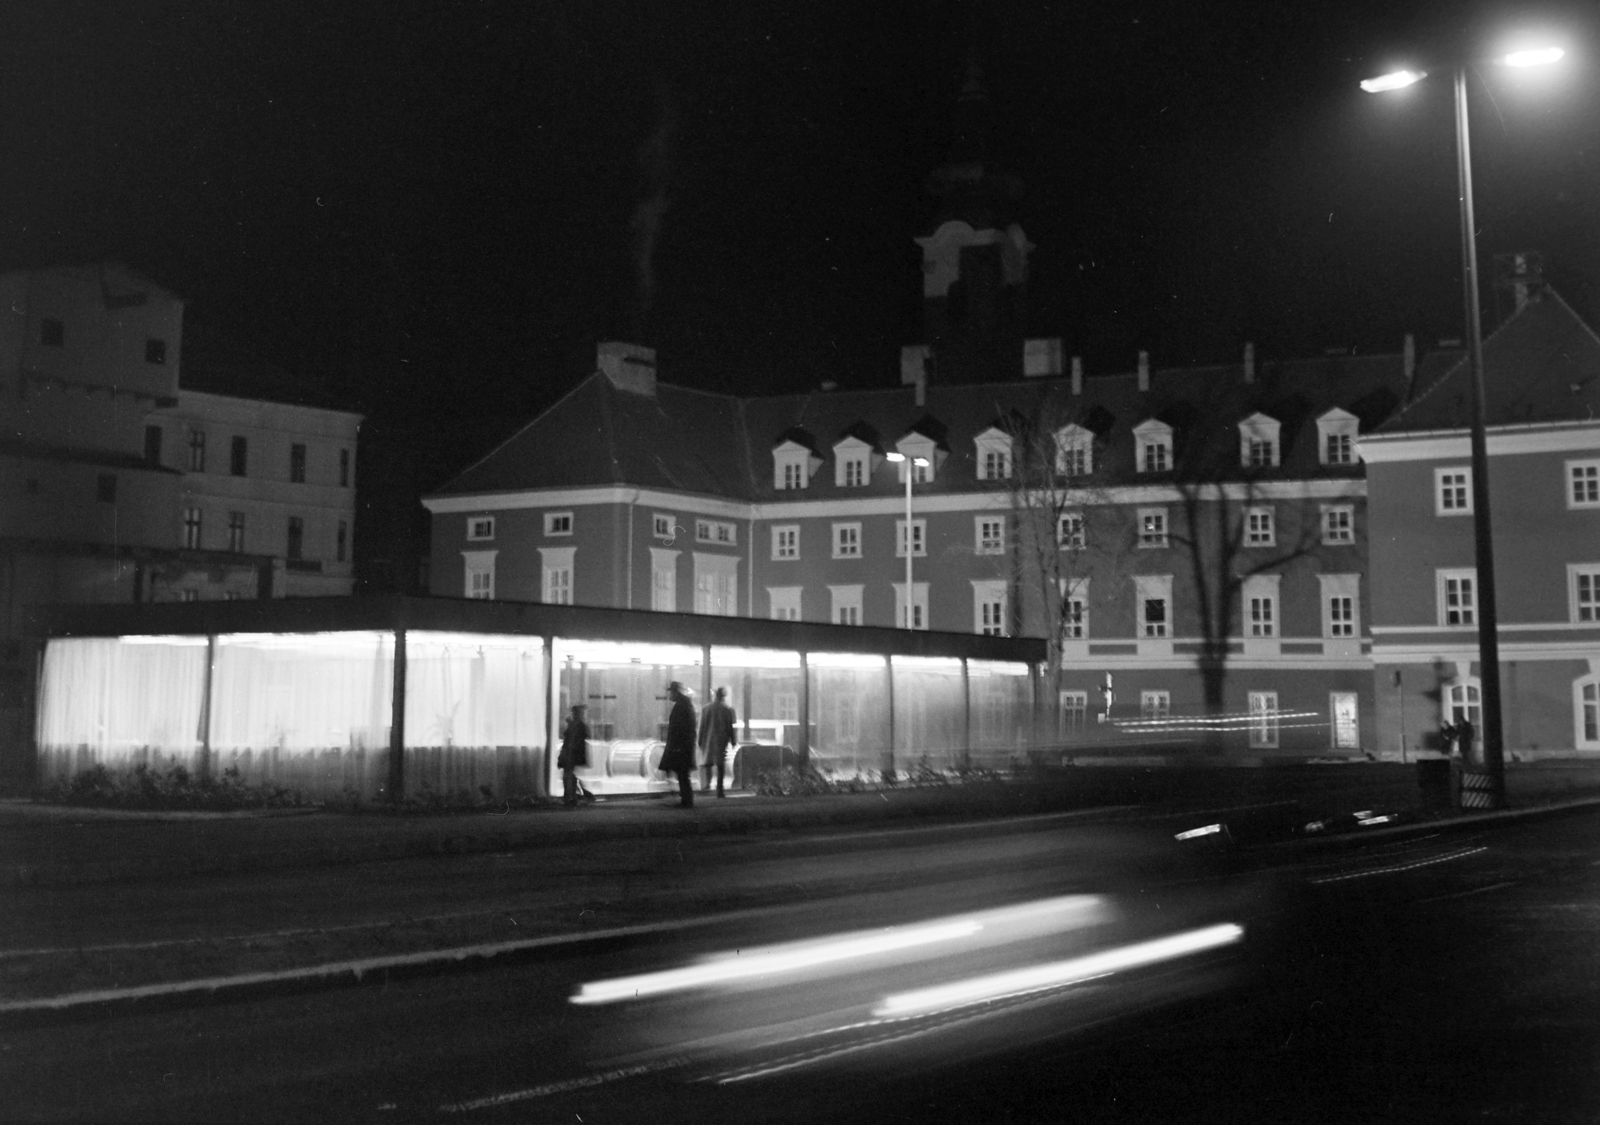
(561, 1087)
(1473, 891)
(1459, 854)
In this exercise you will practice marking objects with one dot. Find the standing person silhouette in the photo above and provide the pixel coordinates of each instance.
(678, 757)
(718, 724)
(574, 753)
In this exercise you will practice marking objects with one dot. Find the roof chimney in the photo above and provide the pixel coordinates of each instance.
(630, 367)
(1077, 374)
(1249, 363)
(1041, 357)
(915, 359)
(1409, 358)
(1144, 370)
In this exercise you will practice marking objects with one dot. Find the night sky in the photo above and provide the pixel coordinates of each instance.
(431, 211)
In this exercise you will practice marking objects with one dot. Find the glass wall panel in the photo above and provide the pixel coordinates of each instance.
(849, 712)
(930, 713)
(625, 688)
(475, 713)
(305, 710)
(764, 691)
(1002, 712)
(120, 702)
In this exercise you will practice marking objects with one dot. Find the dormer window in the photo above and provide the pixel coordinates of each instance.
(1337, 431)
(1153, 440)
(1258, 442)
(994, 454)
(1074, 451)
(792, 465)
(920, 455)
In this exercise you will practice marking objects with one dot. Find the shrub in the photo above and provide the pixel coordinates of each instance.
(172, 788)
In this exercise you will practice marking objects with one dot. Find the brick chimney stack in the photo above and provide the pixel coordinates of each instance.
(1249, 363)
(1144, 370)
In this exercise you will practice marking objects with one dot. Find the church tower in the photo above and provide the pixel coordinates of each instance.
(974, 256)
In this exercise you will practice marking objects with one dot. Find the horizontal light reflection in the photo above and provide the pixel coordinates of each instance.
(1003, 924)
(1035, 977)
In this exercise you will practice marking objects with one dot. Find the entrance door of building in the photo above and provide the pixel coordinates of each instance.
(1346, 727)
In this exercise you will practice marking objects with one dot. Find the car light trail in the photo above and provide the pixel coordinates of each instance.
(977, 990)
(1195, 833)
(999, 925)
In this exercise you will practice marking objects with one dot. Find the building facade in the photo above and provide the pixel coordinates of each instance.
(1542, 377)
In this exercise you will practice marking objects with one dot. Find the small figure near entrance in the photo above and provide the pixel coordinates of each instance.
(678, 757)
(574, 753)
(718, 724)
(1457, 738)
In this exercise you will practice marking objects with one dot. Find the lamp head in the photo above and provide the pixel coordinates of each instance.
(1395, 80)
(1538, 56)
(895, 457)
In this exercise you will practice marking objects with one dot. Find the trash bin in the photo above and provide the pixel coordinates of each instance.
(756, 758)
(1435, 783)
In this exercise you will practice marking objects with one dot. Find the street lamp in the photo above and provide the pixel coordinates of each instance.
(1483, 546)
(911, 471)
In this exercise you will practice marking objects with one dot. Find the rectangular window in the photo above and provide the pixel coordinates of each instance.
(1338, 524)
(1260, 529)
(236, 532)
(152, 445)
(990, 535)
(1263, 616)
(919, 538)
(197, 451)
(663, 580)
(191, 595)
(794, 475)
(155, 351)
(786, 706)
(994, 463)
(1152, 527)
(478, 581)
(1074, 712)
(558, 585)
(714, 531)
(1585, 591)
(558, 523)
(1155, 704)
(1260, 453)
(989, 607)
(1263, 720)
(1453, 491)
(239, 456)
(297, 463)
(662, 524)
(341, 542)
(847, 540)
(1073, 460)
(105, 488)
(1069, 531)
(1153, 617)
(296, 539)
(1074, 618)
(846, 605)
(1154, 457)
(52, 332)
(1583, 484)
(1341, 615)
(919, 606)
(855, 472)
(1458, 598)
(191, 528)
(480, 527)
(785, 602)
(344, 468)
(786, 541)
(992, 618)
(1339, 449)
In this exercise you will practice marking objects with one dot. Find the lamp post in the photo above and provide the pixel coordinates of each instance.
(1493, 742)
(911, 471)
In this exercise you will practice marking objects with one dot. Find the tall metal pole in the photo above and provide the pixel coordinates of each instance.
(911, 469)
(1488, 634)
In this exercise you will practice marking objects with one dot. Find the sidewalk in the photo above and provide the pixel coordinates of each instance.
(112, 855)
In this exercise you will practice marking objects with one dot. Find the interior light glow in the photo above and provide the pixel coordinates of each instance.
(1541, 56)
(153, 639)
(627, 652)
(996, 668)
(949, 664)
(1398, 80)
(724, 657)
(1194, 833)
(978, 990)
(845, 660)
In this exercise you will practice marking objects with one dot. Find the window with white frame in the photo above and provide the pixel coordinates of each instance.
(716, 531)
(846, 608)
(786, 541)
(1337, 431)
(663, 580)
(556, 566)
(1583, 593)
(919, 538)
(989, 535)
(791, 466)
(1074, 713)
(1452, 491)
(1338, 524)
(191, 528)
(1258, 442)
(855, 472)
(1153, 595)
(1463, 699)
(558, 523)
(1153, 440)
(785, 602)
(994, 454)
(664, 525)
(1074, 451)
(919, 605)
(1583, 484)
(1070, 533)
(1260, 527)
(1152, 527)
(786, 706)
(1263, 720)
(1074, 609)
(1341, 605)
(716, 584)
(1458, 597)
(989, 607)
(847, 540)
(1586, 712)
(1155, 704)
(852, 463)
(1260, 597)
(480, 527)
(478, 574)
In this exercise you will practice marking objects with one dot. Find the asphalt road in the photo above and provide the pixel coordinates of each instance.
(1442, 979)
